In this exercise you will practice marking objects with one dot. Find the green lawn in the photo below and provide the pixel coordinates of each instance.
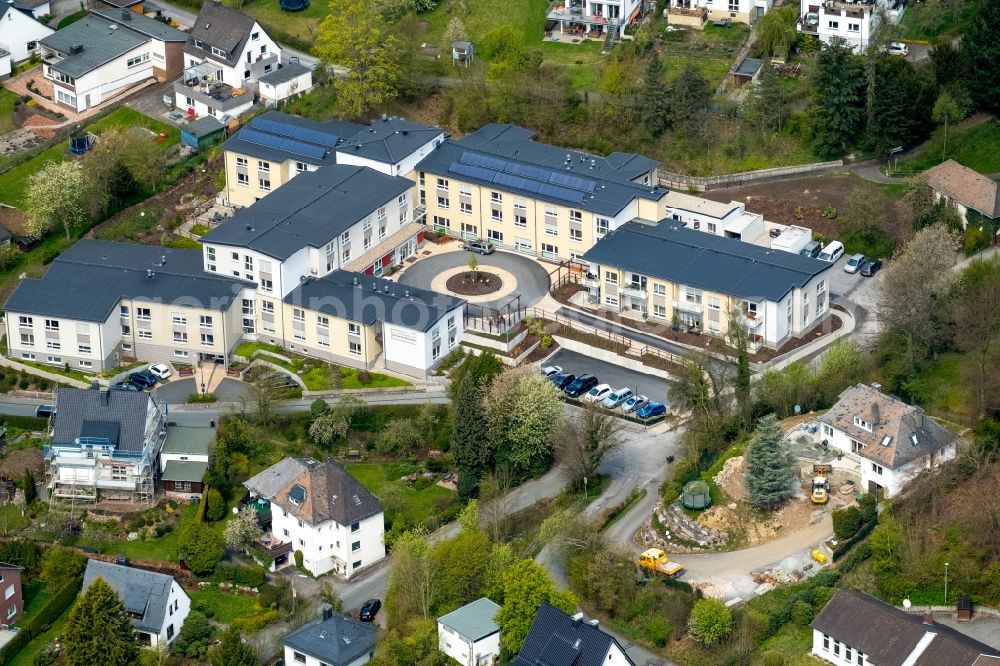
(977, 148)
(927, 21)
(8, 101)
(11, 520)
(71, 19)
(164, 548)
(383, 480)
(349, 380)
(223, 606)
(942, 389)
(26, 657)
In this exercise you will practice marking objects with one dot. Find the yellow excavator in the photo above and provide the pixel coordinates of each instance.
(821, 484)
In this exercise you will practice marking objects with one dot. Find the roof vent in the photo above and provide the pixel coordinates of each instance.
(576, 645)
(207, 26)
(76, 48)
(913, 439)
(594, 622)
(163, 260)
(327, 612)
(357, 500)
(113, 26)
(876, 386)
(386, 290)
(578, 617)
(374, 286)
(928, 618)
(322, 634)
(347, 640)
(150, 273)
(126, 14)
(406, 293)
(355, 280)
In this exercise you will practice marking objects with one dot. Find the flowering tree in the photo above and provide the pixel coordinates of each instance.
(56, 196)
(242, 530)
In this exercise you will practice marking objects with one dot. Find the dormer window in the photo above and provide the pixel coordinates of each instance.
(297, 495)
(861, 423)
(219, 52)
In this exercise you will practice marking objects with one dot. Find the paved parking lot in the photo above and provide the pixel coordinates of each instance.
(608, 373)
(862, 292)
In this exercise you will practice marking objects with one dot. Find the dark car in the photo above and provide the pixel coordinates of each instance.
(369, 610)
(651, 409)
(871, 267)
(144, 379)
(580, 385)
(44, 411)
(124, 386)
(563, 379)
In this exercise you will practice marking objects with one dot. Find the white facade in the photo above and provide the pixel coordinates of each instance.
(273, 93)
(833, 651)
(402, 167)
(260, 55)
(468, 652)
(730, 220)
(855, 23)
(5, 65)
(178, 607)
(94, 87)
(293, 657)
(738, 11)
(596, 18)
(408, 349)
(330, 546)
(19, 35)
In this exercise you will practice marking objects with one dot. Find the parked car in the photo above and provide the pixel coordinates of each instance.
(634, 403)
(854, 263)
(897, 49)
(161, 370)
(597, 393)
(616, 398)
(811, 249)
(143, 379)
(651, 409)
(550, 371)
(481, 246)
(871, 267)
(580, 385)
(832, 251)
(563, 379)
(44, 411)
(369, 610)
(124, 386)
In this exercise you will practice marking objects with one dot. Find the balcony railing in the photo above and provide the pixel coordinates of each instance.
(634, 292)
(700, 12)
(272, 546)
(591, 282)
(559, 11)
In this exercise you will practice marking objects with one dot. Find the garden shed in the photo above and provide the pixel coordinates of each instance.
(462, 52)
(202, 133)
(696, 495)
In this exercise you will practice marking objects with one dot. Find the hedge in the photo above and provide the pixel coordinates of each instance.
(39, 623)
(845, 546)
(32, 423)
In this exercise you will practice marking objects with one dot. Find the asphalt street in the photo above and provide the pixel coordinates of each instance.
(655, 388)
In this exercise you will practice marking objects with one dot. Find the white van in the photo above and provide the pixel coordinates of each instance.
(832, 251)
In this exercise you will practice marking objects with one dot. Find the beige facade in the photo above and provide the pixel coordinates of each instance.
(250, 178)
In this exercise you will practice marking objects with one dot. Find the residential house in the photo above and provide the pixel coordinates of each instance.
(966, 189)
(673, 274)
(730, 220)
(331, 640)
(498, 183)
(893, 441)
(6, 67)
(226, 54)
(596, 20)
(558, 638)
(695, 13)
(854, 22)
(36, 9)
(275, 147)
(104, 54)
(320, 510)
(102, 301)
(104, 444)
(855, 629)
(184, 461)
(470, 635)
(391, 145)
(284, 82)
(155, 602)
(12, 599)
(19, 33)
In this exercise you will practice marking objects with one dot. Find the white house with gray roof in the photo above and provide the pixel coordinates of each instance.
(104, 444)
(104, 54)
(391, 145)
(331, 640)
(20, 32)
(469, 634)
(155, 602)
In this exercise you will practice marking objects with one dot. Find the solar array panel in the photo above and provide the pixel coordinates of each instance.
(575, 182)
(473, 171)
(295, 132)
(516, 181)
(564, 193)
(528, 171)
(280, 143)
(488, 161)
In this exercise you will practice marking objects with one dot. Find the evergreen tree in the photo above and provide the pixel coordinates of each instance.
(770, 465)
(981, 51)
(690, 95)
(470, 438)
(30, 491)
(838, 97)
(654, 106)
(99, 630)
(767, 105)
(232, 651)
(900, 107)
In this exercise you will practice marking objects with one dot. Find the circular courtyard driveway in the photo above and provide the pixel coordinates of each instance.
(532, 279)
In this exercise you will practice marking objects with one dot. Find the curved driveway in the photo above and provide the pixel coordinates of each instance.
(532, 279)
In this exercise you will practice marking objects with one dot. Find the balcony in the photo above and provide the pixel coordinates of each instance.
(808, 25)
(574, 12)
(272, 547)
(752, 320)
(634, 291)
(198, 83)
(592, 282)
(686, 10)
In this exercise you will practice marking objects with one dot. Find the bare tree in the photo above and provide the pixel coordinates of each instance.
(494, 506)
(976, 318)
(584, 441)
(267, 385)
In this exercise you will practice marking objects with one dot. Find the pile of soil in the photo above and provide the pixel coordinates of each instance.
(478, 283)
(732, 478)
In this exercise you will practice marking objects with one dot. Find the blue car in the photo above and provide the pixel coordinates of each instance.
(651, 409)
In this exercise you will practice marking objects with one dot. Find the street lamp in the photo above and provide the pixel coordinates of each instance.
(946, 583)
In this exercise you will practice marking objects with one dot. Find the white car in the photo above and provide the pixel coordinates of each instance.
(160, 370)
(634, 403)
(897, 48)
(597, 393)
(616, 398)
(551, 371)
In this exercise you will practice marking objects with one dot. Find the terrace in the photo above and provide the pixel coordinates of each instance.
(575, 12)
(199, 83)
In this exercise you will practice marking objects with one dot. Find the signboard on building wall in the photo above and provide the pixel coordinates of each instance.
(403, 336)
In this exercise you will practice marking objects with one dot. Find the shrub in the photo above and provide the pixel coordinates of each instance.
(251, 575)
(202, 548)
(364, 377)
(802, 613)
(710, 621)
(299, 559)
(773, 659)
(846, 522)
(215, 505)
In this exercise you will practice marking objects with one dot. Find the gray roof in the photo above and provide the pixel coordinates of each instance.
(323, 491)
(337, 641)
(556, 639)
(367, 299)
(87, 281)
(144, 593)
(187, 440)
(748, 66)
(27, 4)
(221, 27)
(310, 210)
(276, 127)
(118, 416)
(506, 158)
(900, 432)
(142, 24)
(672, 252)
(284, 73)
(474, 620)
(389, 140)
(203, 126)
(184, 470)
(889, 636)
(99, 41)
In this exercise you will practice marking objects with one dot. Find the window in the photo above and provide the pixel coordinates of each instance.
(28, 357)
(551, 250)
(353, 329)
(435, 346)
(443, 202)
(219, 52)
(137, 60)
(12, 609)
(355, 527)
(442, 184)
(205, 321)
(355, 546)
(576, 235)
(853, 27)
(54, 359)
(86, 364)
(520, 220)
(123, 310)
(119, 472)
(575, 216)
(180, 353)
(255, 36)
(861, 423)
(299, 657)
(264, 184)
(494, 235)
(298, 315)
(848, 653)
(861, 658)
(51, 325)
(611, 277)
(126, 330)
(469, 229)
(357, 565)
(144, 334)
(496, 214)
(496, 197)
(263, 166)
(323, 322)
(242, 162)
(603, 225)
(243, 179)
(660, 311)
(83, 349)
(142, 314)
(827, 430)
(836, 647)
(178, 319)
(550, 228)
(611, 300)
(442, 222)
(27, 339)
(52, 344)
(826, 642)
(126, 346)
(354, 347)
(711, 227)
(180, 337)
(207, 339)
(834, 25)
(877, 469)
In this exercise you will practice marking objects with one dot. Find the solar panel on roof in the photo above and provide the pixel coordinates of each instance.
(569, 180)
(472, 171)
(517, 182)
(528, 171)
(295, 132)
(486, 161)
(279, 143)
(557, 192)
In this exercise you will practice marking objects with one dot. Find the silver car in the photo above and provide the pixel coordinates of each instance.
(616, 398)
(481, 246)
(854, 263)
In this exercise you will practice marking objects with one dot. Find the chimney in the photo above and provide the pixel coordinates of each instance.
(327, 612)
(126, 14)
(594, 622)
(928, 618)
(875, 414)
(163, 260)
